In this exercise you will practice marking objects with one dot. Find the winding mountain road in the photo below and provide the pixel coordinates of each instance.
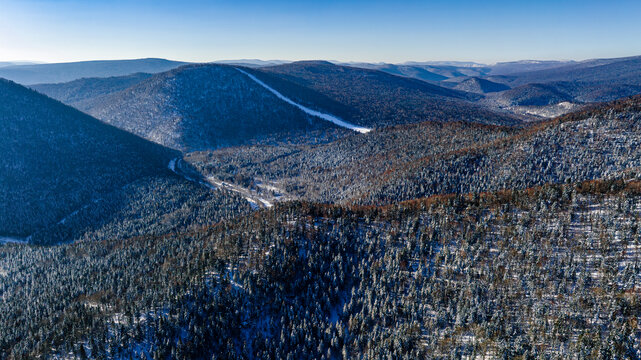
(212, 183)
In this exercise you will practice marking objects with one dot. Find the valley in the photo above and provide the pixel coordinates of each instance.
(255, 199)
(325, 210)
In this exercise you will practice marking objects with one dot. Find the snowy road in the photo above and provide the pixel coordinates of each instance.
(212, 183)
(324, 116)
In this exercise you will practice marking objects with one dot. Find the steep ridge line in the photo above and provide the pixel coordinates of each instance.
(318, 114)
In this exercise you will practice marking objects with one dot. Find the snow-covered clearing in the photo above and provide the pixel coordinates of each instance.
(12, 240)
(318, 114)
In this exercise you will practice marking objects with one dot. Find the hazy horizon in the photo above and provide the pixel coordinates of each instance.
(346, 31)
(409, 61)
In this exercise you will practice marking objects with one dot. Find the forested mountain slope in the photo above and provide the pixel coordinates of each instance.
(339, 170)
(375, 98)
(533, 95)
(65, 175)
(581, 146)
(546, 272)
(587, 81)
(413, 161)
(479, 85)
(617, 70)
(575, 91)
(202, 107)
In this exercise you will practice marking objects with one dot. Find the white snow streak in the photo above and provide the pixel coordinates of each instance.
(309, 111)
(7, 240)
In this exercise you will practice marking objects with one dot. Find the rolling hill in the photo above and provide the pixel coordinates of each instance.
(533, 95)
(203, 106)
(596, 80)
(605, 71)
(418, 160)
(412, 71)
(479, 86)
(338, 171)
(429, 71)
(65, 72)
(374, 98)
(552, 88)
(439, 71)
(522, 66)
(78, 92)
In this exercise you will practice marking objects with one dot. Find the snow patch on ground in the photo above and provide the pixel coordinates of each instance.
(265, 202)
(12, 240)
(252, 203)
(172, 165)
(548, 111)
(318, 114)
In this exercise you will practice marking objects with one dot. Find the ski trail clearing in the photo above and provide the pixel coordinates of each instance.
(307, 110)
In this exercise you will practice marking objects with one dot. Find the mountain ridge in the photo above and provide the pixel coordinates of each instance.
(65, 72)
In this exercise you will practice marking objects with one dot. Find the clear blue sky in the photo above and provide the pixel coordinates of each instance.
(348, 30)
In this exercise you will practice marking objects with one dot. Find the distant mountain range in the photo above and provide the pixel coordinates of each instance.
(252, 62)
(64, 72)
(197, 107)
(16, 63)
(598, 70)
(511, 67)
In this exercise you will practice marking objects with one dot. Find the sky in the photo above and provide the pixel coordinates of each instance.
(350, 30)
